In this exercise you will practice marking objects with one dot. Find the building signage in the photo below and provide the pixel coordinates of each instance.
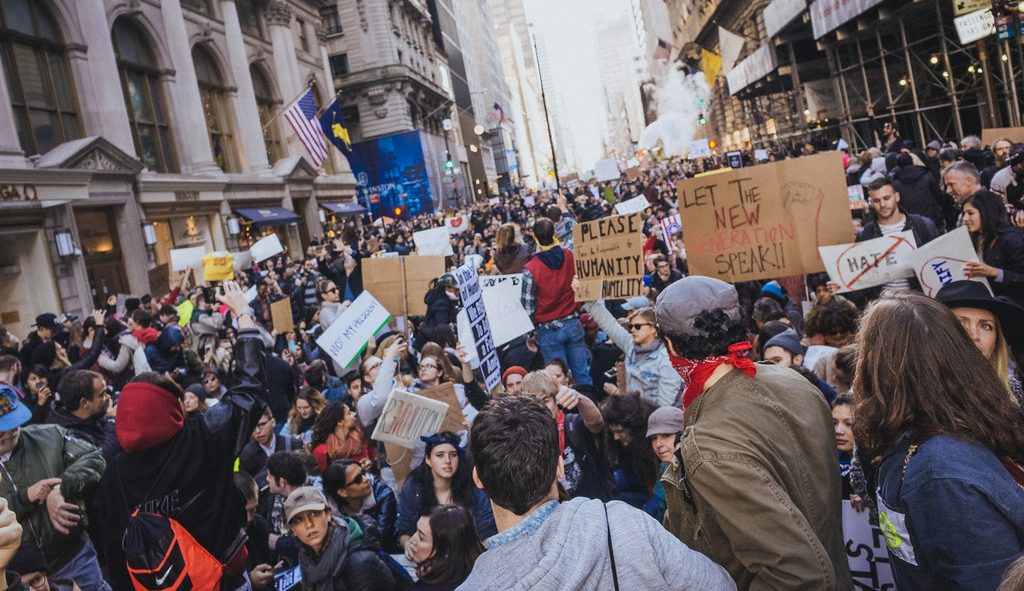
(975, 25)
(753, 67)
(964, 6)
(780, 13)
(186, 195)
(11, 192)
(827, 15)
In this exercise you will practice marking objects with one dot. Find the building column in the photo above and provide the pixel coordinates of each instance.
(247, 115)
(134, 259)
(11, 154)
(278, 16)
(194, 139)
(338, 162)
(107, 111)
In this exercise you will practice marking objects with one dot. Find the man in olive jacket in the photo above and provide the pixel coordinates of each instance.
(758, 471)
(47, 473)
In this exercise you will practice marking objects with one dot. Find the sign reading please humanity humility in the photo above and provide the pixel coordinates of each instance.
(609, 257)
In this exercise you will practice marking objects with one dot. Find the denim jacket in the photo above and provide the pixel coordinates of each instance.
(954, 519)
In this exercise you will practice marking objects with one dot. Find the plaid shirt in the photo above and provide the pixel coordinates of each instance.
(528, 295)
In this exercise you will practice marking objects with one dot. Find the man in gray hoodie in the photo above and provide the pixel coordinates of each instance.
(580, 544)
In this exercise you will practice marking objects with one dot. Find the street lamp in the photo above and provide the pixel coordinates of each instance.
(234, 229)
(148, 233)
(479, 129)
(64, 242)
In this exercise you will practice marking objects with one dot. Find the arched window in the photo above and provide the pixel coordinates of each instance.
(266, 106)
(215, 106)
(143, 97)
(41, 88)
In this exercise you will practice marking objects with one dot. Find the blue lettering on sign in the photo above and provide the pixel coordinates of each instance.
(942, 272)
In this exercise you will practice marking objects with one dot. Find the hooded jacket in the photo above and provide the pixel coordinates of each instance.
(49, 451)
(565, 546)
(183, 471)
(648, 369)
(98, 430)
(159, 355)
(440, 309)
(875, 170)
(919, 192)
(551, 273)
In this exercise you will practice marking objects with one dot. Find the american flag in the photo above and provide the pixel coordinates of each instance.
(500, 114)
(302, 117)
(663, 51)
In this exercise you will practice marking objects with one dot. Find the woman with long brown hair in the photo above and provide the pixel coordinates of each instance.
(949, 445)
(510, 253)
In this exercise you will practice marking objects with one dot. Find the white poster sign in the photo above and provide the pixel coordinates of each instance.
(505, 312)
(457, 224)
(243, 259)
(606, 170)
(870, 263)
(634, 205)
(183, 258)
(700, 148)
(494, 201)
(433, 242)
(866, 551)
(942, 261)
(250, 294)
(407, 417)
(265, 248)
(480, 328)
(529, 201)
(346, 338)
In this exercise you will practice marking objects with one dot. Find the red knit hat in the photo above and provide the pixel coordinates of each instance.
(515, 369)
(147, 415)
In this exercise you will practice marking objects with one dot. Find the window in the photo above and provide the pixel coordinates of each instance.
(202, 6)
(143, 97)
(355, 129)
(331, 20)
(266, 105)
(42, 92)
(303, 39)
(249, 18)
(339, 64)
(215, 106)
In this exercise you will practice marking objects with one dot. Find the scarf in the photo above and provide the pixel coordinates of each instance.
(350, 447)
(696, 373)
(543, 248)
(324, 572)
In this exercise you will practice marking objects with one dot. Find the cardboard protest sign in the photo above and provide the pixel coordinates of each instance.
(870, 263)
(433, 242)
(218, 266)
(454, 420)
(632, 173)
(866, 551)
(281, 315)
(266, 247)
(765, 221)
(670, 224)
(183, 258)
(400, 460)
(400, 282)
(634, 205)
(606, 170)
(160, 280)
(406, 417)
(457, 224)
(1014, 134)
(347, 336)
(942, 261)
(505, 309)
(609, 257)
(480, 328)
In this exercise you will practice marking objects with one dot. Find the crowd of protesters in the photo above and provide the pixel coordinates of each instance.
(699, 436)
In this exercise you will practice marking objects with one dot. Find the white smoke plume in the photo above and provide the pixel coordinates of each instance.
(680, 98)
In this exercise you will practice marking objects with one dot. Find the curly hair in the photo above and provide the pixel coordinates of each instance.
(715, 331)
(632, 413)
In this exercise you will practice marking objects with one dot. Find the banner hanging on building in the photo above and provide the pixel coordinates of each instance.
(827, 15)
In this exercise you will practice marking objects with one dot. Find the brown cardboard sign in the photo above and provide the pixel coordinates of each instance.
(281, 315)
(160, 280)
(454, 421)
(399, 283)
(632, 173)
(419, 271)
(765, 221)
(400, 460)
(1014, 134)
(609, 257)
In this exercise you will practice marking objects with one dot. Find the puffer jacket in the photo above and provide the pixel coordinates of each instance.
(49, 451)
(204, 327)
(757, 456)
(648, 370)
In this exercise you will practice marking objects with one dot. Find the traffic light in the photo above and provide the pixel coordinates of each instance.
(449, 166)
(701, 119)
(712, 144)
(399, 211)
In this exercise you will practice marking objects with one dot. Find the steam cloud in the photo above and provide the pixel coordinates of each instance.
(679, 98)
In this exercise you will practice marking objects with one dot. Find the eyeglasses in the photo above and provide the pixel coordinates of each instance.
(332, 290)
(358, 479)
(639, 325)
(427, 366)
(262, 424)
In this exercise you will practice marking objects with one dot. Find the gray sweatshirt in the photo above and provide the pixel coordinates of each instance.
(566, 547)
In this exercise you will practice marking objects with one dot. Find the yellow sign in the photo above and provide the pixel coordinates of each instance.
(218, 267)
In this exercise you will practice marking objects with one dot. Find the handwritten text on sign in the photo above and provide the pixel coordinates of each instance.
(942, 261)
(406, 417)
(866, 552)
(480, 327)
(347, 336)
(870, 263)
(609, 257)
(765, 221)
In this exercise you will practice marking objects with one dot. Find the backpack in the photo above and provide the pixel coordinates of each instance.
(162, 555)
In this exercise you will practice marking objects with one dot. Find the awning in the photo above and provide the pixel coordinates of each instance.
(264, 217)
(344, 209)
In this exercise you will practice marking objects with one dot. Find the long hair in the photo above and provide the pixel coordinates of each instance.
(333, 480)
(456, 547)
(462, 482)
(632, 413)
(506, 238)
(993, 218)
(918, 370)
(314, 399)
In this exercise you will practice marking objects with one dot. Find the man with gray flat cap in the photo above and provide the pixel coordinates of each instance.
(759, 468)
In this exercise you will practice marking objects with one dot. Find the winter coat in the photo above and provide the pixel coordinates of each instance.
(919, 192)
(189, 476)
(130, 360)
(648, 369)
(510, 262)
(1007, 254)
(204, 328)
(409, 510)
(159, 355)
(876, 170)
(440, 309)
(757, 454)
(565, 546)
(954, 512)
(98, 431)
(385, 513)
(49, 451)
(329, 312)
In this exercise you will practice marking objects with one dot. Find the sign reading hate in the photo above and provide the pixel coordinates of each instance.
(609, 257)
(765, 221)
(870, 263)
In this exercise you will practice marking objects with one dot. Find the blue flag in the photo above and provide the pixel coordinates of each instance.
(333, 125)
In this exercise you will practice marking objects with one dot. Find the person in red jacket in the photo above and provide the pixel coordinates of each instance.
(548, 298)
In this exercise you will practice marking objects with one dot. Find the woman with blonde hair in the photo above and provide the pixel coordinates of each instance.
(301, 418)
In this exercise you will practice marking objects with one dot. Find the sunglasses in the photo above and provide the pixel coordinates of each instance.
(332, 290)
(639, 326)
(358, 479)
(209, 380)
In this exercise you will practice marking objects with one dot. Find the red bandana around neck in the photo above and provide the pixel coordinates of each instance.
(696, 373)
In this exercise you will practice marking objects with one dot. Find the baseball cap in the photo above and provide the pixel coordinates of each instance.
(788, 340)
(679, 305)
(13, 413)
(48, 320)
(635, 303)
(304, 498)
(664, 421)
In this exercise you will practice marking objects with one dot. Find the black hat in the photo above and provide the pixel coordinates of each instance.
(974, 294)
(28, 559)
(47, 320)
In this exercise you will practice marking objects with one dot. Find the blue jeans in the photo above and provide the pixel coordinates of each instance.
(84, 570)
(566, 343)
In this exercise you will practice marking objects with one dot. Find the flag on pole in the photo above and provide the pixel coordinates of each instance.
(500, 113)
(729, 45)
(663, 51)
(333, 125)
(301, 115)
